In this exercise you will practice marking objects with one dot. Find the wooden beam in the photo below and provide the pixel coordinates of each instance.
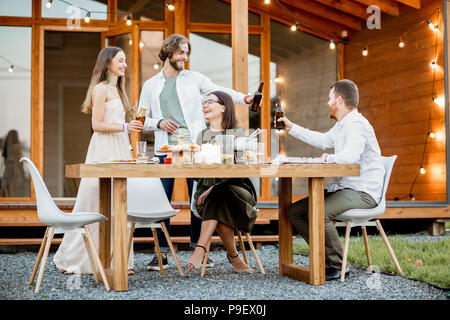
(411, 3)
(180, 22)
(326, 12)
(239, 42)
(349, 7)
(386, 6)
(310, 24)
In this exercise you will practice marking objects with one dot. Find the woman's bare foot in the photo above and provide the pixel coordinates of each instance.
(238, 265)
(130, 272)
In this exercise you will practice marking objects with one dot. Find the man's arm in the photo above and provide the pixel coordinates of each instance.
(207, 86)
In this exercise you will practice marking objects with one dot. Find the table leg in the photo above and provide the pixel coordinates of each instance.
(104, 249)
(284, 225)
(120, 274)
(316, 218)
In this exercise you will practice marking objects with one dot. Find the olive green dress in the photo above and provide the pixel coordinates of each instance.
(232, 200)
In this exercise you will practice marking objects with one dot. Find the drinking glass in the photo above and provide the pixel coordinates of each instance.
(240, 149)
(260, 152)
(141, 152)
(226, 143)
(251, 150)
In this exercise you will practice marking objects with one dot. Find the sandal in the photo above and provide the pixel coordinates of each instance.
(130, 272)
(247, 270)
(191, 265)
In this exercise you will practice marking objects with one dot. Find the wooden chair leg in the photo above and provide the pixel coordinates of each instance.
(172, 249)
(91, 259)
(242, 245)
(205, 259)
(391, 252)
(44, 260)
(366, 245)
(97, 258)
(158, 252)
(38, 260)
(255, 255)
(344, 258)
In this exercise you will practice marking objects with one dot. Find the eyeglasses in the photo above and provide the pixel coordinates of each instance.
(210, 101)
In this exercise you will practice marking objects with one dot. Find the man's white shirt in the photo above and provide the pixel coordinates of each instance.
(190, 86)
(354, 142)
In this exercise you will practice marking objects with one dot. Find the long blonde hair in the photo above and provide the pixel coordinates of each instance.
(100, 74)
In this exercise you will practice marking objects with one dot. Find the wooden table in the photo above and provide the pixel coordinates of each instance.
(119, 173)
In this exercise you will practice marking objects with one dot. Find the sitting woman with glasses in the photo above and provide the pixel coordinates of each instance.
(224, 204)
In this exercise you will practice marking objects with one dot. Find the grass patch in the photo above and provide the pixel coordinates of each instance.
(434, 255)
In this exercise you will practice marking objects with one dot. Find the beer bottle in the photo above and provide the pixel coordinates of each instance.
(278, 114)
(257, 97)
(140, 116)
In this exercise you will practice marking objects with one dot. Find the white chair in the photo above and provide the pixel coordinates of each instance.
(362, 218)
(58, 221)
(147, 206)
(241, 242)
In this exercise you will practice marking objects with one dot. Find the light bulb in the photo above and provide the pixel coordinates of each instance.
(171, 7)
(88, 17)
(439, 101)
(278, 79)
(433, 64)
(130, 42)
(401, 44)
(432, 135)
(129, 20)
(267, 1)
(433, 27)
(156, 66)
(411, 196)
(49, 4)
(332, 45)
(11, 68)
(365, 52)
(294, 26)
(141, 44)
(422, 170)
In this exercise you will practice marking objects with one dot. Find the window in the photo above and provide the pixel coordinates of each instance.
(304, 68)
(77, 10)
(212, 56)
(216, 11)
(141, 10)
(15, 110)
(16, 8)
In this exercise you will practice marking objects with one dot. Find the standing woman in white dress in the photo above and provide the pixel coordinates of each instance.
(107, 101)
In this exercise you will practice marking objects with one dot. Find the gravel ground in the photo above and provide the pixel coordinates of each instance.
(219, 283)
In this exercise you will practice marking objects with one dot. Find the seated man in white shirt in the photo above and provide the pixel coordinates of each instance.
(354, 141)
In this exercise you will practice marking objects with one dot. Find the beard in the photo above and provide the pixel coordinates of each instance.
(174, 64)
(332, 112)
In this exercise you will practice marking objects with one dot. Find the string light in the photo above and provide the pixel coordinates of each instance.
(130, 42)
(401, 44)
(439, 101)
(365, 52)
(156, 66)
(170, 6)
(432, 135)
(141, 44)
(332, 45)
(11, 68)
(88, 17)
(49, 4)
(433, 27)
(294, 26)
(433, 64)
(267, 1)
(129, 20)
(422, 170)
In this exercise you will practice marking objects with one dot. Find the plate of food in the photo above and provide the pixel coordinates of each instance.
(164, 148)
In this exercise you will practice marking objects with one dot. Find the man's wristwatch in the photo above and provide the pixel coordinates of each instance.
(157, 125)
